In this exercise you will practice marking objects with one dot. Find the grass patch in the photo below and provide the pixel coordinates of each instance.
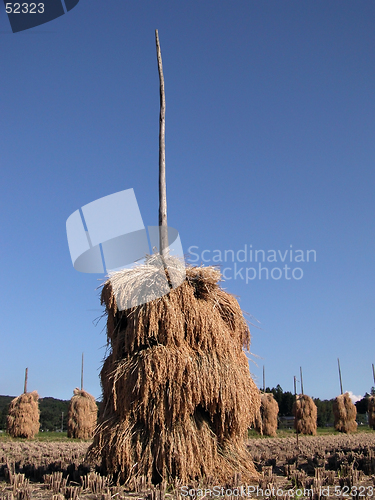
(321, 431)
(43, 437)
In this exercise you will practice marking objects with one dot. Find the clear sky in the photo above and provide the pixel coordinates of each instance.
(270, 143)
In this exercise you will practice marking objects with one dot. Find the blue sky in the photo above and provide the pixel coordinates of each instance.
(270, 143)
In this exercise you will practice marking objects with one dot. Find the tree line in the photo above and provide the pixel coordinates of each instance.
(53, 412)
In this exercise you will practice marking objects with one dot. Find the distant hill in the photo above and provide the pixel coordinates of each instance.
(51, 411)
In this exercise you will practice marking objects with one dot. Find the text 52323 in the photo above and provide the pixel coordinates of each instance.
(24, 8)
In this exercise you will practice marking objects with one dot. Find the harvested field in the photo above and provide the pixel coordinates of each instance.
(346, 462)
(42, 454)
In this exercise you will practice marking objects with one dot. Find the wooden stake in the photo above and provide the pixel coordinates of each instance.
(163, 225)
(295, 394)
(82, 374)
(300, 369)
(338, 362)
(25, 386)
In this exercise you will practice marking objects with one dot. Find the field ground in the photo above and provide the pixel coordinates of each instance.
(317, 465)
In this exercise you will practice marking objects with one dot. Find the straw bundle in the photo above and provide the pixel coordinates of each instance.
(305, 415)
(82, 415)
(345, 414)
(371, 412)
(23, 416)
(178, 397)
(269, 410)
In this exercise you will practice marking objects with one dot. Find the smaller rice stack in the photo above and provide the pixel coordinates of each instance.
(23, 416)
(371, 412)
(269, 410)
(82, 415)
(305, 415)
(345, 414)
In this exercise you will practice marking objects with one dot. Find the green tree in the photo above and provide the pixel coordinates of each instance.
(362, 404)
(277, 393)
(285, 400)
(325, 412)
(3, 418)
(4, 408)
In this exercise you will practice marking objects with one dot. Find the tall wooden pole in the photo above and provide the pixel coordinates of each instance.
(163, 225)
(264, 380)
(25, 386)
(373, 373)
(338, 363)
(300, 369)
(82, 374)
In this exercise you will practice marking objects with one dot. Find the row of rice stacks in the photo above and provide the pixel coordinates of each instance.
(304, 411)
(305, 414)
(23, 415)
